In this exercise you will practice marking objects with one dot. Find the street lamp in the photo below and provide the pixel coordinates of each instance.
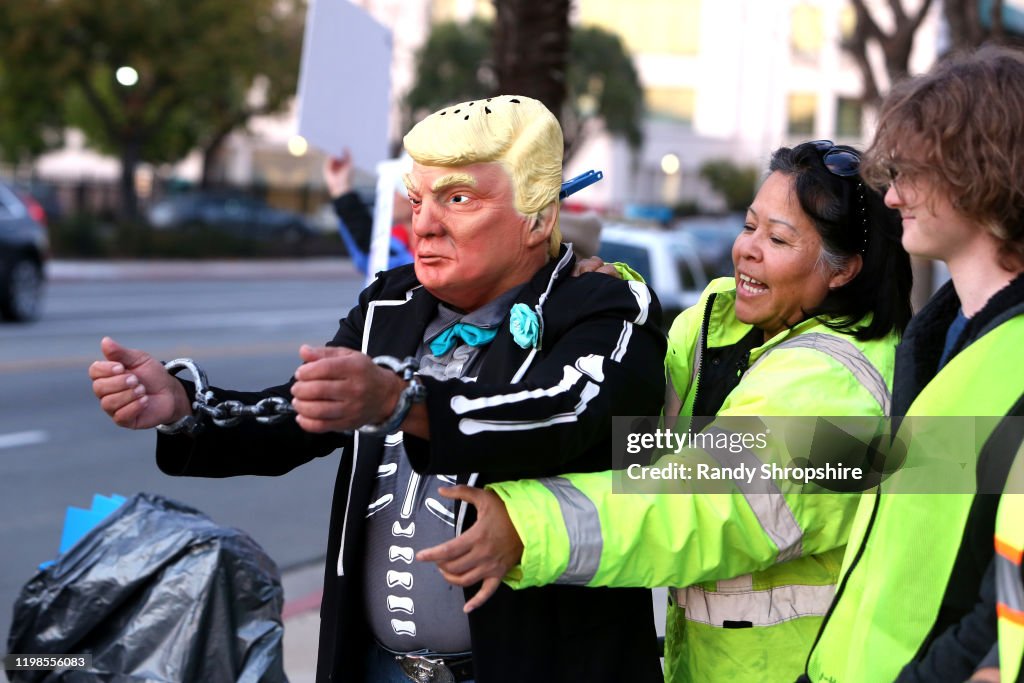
(297, 146)
(670, 164)
(126, 76)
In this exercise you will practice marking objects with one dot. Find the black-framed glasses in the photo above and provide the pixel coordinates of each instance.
(840, 162)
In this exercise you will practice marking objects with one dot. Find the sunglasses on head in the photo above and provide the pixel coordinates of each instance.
(845, 163)
(840, 162)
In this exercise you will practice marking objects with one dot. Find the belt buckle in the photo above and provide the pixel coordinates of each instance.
(424, 669)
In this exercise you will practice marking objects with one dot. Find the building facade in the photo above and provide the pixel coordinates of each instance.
(723, 79)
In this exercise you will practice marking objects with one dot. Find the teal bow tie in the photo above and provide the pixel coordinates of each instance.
(467, 332)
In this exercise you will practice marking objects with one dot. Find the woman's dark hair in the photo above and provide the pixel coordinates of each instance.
(852, 219)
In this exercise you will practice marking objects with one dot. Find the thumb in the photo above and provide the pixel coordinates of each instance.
(311, 353)
(129, 358)
(461, 492)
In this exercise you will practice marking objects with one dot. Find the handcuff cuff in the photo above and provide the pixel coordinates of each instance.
(276, 408)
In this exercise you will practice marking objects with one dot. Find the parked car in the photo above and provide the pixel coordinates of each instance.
(714, 236)
(231, 213)
(45, 194)
(666, 259)
(24, 247)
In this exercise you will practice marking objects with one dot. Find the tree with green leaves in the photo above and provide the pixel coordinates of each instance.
(196, 63)
(603, 87)
(736, 183)
(456, 64)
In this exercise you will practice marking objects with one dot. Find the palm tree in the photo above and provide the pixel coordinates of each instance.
(531, 49)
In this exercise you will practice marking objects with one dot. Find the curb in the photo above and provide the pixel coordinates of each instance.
(303, 588)
(307, 603)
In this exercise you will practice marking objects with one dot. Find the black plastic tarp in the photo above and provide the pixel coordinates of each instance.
(156, 592)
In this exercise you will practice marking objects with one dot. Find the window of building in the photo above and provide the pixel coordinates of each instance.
(849, 114)
(461, 10)
(806, 31)
(442, 10)
(676, 104)
(651, 26)
(847, 21)
(801, 111)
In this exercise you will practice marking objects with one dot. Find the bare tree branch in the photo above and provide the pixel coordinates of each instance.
(866, 23)
(899, 15)
(915, 23)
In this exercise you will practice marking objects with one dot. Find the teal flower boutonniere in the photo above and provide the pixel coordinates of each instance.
(525, 326)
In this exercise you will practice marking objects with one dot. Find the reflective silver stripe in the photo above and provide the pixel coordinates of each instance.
(759, 607)
(738, 584)
(584, 528)
(843, 351)
(1008, 583)
(765, 500)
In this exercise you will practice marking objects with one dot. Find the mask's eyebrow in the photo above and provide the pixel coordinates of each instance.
(452, 179)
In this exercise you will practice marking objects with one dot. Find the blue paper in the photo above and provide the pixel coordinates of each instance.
(78, 521)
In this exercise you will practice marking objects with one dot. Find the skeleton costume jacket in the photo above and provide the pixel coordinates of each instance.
(538, 411)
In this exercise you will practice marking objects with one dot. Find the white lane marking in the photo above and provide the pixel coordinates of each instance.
(15, 439)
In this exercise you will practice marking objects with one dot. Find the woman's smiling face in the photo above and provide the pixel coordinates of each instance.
(779, 272)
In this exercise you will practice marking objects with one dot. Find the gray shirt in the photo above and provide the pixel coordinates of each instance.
(409, 606)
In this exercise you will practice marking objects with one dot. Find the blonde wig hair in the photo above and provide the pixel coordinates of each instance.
(517, 132)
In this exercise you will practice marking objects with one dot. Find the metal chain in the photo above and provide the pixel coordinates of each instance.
(229, 413)
(267, 411)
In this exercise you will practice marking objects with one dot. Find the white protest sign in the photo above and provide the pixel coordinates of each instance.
(345, 83)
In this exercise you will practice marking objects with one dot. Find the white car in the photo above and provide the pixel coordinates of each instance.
(667, 259)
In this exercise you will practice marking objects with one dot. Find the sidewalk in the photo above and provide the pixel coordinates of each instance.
(303, 588)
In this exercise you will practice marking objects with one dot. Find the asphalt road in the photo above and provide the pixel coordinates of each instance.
(57, 448)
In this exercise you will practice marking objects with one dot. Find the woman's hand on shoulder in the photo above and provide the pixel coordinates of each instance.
(595, 264)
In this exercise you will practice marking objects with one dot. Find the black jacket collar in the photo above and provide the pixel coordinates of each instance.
(406, 305)
(917, 356)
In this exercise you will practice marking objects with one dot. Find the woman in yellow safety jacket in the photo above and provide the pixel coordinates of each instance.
(806, 327)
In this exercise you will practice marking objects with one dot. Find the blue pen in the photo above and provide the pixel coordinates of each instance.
(579, 182)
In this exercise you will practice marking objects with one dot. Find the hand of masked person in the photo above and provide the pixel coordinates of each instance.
(339, 389)
(135, 389)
